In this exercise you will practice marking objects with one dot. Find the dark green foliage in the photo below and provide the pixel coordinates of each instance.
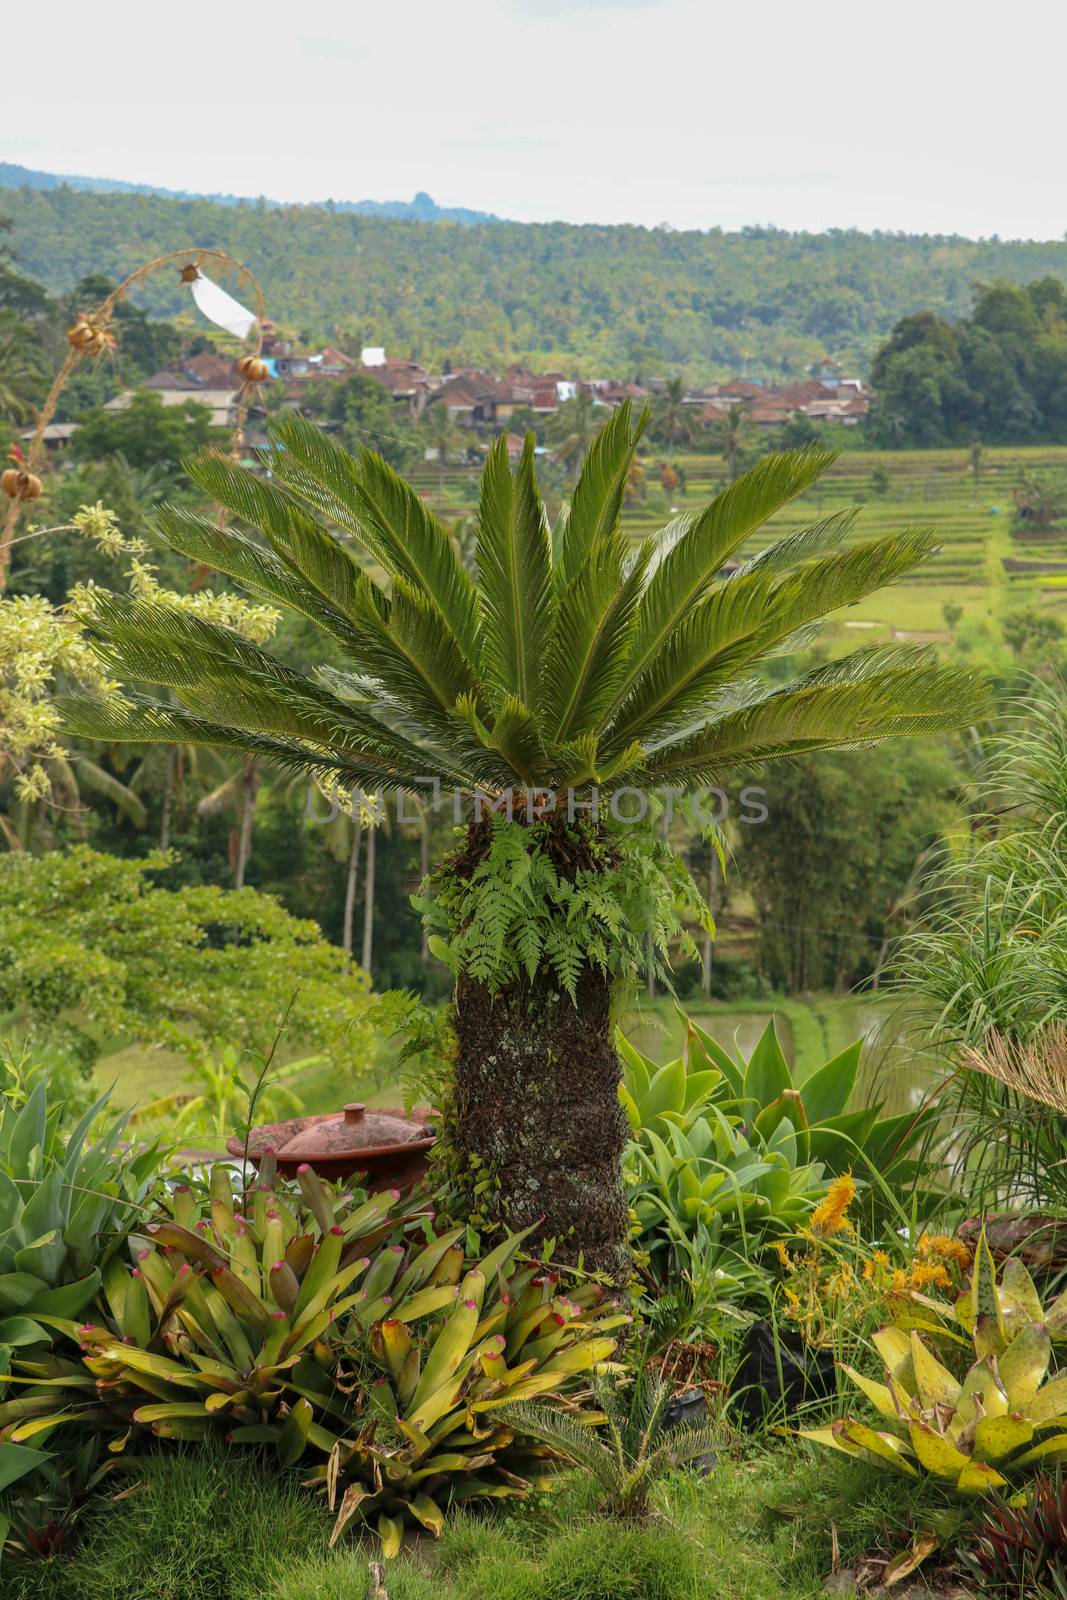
(841, 849)
(997, 375)
(147, 433)
(621, 299)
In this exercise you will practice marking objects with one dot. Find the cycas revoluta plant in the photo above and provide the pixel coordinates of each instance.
(575, 657)
(632, 1453)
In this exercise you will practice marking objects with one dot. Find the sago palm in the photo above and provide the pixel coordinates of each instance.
(575, 657)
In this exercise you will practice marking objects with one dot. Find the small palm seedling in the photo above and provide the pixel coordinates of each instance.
(633, 1452)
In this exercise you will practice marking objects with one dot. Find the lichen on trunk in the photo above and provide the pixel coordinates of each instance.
(537, 1103)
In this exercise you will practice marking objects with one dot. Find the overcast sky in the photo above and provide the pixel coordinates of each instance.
(938, 116)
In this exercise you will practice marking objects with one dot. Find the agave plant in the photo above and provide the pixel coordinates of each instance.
(762, 1092)
(574, 659)
(65, 1201)
(633, 1452)
(999, 1419)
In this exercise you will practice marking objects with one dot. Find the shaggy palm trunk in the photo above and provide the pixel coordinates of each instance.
(168, 797)
(351, 881)
(368, 903)
(537, 1103)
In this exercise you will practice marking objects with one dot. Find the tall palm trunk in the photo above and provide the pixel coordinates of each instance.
(537, 1109)
(168, 797)
(250, 782)
(368, 902)
(351, 882)
(424, 871)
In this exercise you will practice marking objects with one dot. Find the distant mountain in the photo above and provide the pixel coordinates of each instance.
(421, 209)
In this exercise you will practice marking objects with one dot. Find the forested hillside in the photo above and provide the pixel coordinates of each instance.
(621, 300)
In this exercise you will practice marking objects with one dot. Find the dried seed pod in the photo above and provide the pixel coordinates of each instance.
(253, 369)
(19, 485)
(89, 337)
(189, 273)
(81, 333)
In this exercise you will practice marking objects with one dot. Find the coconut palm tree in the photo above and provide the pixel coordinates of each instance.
(573, 428)
(575, 658)
(672, 418)
(730, 435)
(441, 435)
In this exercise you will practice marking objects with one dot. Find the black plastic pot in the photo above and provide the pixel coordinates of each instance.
(777, 1374)
(689, 1410)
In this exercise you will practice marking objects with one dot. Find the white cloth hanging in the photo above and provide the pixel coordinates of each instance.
(221, 308)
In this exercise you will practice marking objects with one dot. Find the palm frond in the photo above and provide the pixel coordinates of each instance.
(867, 697)
(596, 504)
(294, 534)
(707, 648)
(683, 577)
(840, 579)
(591, 641)
(94, 778)
(139, 720)
(387, 516)
(559, 1431)
(236, 556)
(815, 539)
(514, 567)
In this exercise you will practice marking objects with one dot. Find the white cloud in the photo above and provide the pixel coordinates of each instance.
(935, 117)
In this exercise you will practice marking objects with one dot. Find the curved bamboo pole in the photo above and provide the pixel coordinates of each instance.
(100, 319)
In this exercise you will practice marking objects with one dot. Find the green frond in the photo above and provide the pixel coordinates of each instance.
(515, 575)
(142, 721)
(236, 556)
(707, 648)
(558, 1430)
(684, 575)
(514, 735)
(294, 534)
(840, 579)
(680, 1447)
(869, 696)
(596, 504)
(591, 641)
(386, 515)
(816, 539)
(91, 776)
(232, 681)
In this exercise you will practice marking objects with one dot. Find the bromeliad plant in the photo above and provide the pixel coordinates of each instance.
(573, 659)
(453, 1359)
(999, 1419)
(332, 1322)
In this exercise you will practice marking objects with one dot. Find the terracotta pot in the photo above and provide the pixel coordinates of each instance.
(388, 1148)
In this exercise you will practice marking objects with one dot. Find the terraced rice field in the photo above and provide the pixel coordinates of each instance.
(927, 488)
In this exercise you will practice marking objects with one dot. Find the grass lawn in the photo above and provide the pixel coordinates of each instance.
(221, 1527)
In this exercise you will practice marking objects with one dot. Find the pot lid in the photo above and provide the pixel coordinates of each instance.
(353, 1129)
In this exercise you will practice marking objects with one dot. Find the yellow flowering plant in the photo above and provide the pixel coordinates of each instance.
(835, 1283)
